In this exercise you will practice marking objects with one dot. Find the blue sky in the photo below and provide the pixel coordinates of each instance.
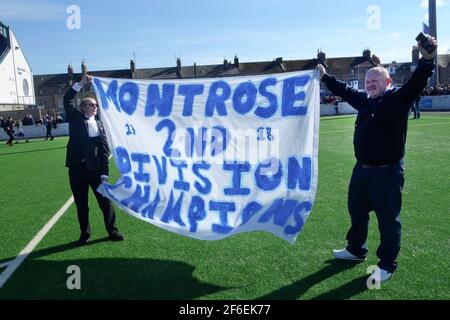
(206, 32)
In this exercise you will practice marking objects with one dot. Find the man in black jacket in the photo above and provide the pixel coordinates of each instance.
(87, 160)
(9, 129)
(379, 143)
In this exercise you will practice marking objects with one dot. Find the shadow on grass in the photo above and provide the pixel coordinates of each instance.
(103, 278)
(56, 249)
(300, 287)
(113, 278)
(347, 291)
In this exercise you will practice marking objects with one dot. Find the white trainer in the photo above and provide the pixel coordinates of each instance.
(343, 254)
(379, 275)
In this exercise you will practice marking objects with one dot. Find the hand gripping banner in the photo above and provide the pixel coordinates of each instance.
(210, 158)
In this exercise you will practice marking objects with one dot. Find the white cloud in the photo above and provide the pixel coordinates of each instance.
(32, 10)
(439, 3)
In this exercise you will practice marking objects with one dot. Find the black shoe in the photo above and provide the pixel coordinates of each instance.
(83, 239)
(115, 236)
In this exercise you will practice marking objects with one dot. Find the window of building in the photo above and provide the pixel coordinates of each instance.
(26, 88)
(4, 41)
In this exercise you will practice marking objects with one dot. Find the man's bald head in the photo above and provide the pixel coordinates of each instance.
(377, 81)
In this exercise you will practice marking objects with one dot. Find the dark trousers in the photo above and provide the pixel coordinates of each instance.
(49, 134)
(378, 189)
(80, 180)
(11, 138)
(416, 111)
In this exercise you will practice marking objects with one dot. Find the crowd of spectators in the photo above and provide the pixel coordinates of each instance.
(439, 90)
(330, 99)
(29, 121)
(14, 128)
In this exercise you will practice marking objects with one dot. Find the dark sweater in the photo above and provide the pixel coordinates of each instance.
(81, 149)
(382, 122)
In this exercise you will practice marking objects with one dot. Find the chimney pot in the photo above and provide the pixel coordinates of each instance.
(236, 62)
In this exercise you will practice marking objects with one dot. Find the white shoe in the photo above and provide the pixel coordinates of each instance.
(345, 255)
(379, 275)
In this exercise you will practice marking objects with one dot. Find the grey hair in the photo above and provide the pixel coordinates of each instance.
(86, 99)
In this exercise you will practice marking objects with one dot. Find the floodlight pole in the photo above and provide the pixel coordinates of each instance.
(433, 32)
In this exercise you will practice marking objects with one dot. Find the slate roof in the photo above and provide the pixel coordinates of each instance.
(61, 79)
(208, 71)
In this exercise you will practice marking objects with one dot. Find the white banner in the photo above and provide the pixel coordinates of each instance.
(209, 158)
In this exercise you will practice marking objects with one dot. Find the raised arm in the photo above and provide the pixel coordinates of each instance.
(70, 95)
(419, 79)
(354, 97)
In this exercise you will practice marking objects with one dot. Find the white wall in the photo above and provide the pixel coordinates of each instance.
(435, 103)
(332, 110)
(428, 103)
(39, 131)
(15, 76)
(438, 103)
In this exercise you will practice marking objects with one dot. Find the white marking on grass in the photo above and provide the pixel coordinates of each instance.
(336, 131)
(12, 265)
(416, 125)
(429, 124)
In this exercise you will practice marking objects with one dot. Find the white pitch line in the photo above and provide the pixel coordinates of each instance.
(429, 124)
(14, 264)
(416, 125)
(336, 131)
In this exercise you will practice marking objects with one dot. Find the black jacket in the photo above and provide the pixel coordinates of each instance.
(382, 122)
(81, 149)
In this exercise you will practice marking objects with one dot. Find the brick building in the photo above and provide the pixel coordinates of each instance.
(50, 88)
(401, 72)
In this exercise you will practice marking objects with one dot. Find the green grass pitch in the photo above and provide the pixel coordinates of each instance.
(156, 264)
